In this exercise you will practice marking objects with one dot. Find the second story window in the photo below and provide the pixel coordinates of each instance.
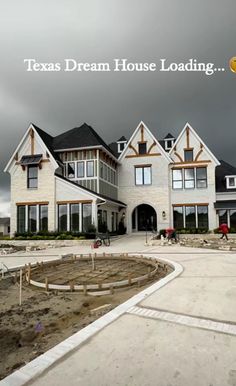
(143, 175)
(142, 148)
(90, 168)
(80, 169)
(189, 180)
(32, 177)
(188, 155)
(177, 179)
(201, 177)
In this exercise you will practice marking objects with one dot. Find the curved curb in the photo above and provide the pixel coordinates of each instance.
(39, 365)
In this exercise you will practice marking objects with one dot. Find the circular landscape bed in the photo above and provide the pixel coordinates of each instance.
(95, 275)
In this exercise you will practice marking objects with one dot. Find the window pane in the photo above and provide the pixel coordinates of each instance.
(231, 181)
(33, 183)
(202, 212)
(21, 219)
(90, 169)
(74, 217)
(32, 177)
(232, 214)
(190, 219)
(188, 155)
(142, 148)
(177, 184)
(87, 216)
(222, 216)
(138, 176)
(177, 174)
(43, 217)
(147, 175)
(62, 218)
(71, 169)
(80, 169)
(32, 218)
(201, 173)
(189, 178)
(178, 217)
(32, 171)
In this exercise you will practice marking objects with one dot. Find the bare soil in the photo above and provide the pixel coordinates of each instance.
(46, 318)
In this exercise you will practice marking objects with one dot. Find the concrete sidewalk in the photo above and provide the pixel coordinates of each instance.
(183, 333)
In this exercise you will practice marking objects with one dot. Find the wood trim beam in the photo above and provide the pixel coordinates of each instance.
(32, 141)
(151, 146)
(178, 156)
(75, 202)
(187, 137)
(33, 203)
(143, 155)
(188, 167)
(193, 204)
(133, 148)
(193, 162)
(198, 155)
(142, 133)
(142, 165)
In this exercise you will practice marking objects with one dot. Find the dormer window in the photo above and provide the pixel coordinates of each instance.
(188, 155)
(230, 182)
(121, 146)
(142, 148)
(169, 143)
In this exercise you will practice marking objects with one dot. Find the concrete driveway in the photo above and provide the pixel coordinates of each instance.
(183, 333)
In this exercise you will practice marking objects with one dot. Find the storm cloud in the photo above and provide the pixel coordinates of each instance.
(113, 103)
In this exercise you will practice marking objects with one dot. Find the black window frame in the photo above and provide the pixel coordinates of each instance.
(41, 225)
(69, 165)
(19, 209)
(29, 179)
(142, 148)
(201, 179)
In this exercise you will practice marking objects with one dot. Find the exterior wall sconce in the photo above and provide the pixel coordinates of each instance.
(164, 215)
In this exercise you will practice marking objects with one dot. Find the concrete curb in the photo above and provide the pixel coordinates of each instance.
(39, 365)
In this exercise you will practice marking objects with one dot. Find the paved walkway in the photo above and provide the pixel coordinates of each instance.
(183, 333)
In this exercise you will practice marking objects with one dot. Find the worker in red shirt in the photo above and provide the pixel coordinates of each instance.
(171, 234)
(224, 229)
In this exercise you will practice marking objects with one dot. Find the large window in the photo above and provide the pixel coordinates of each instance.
(177, 179)
(223, 218)
(32, 218)
(178, 217)
(188, 155)
(189, 182)
(232, 215)
(201, 177)
(21, 218)
(62, 218)
(202, 213)
(80, 169)
(74, 217)
(43, 218)
(32, 177)
(90, 168)
(86, 216)
(190, 217)
(143, 175)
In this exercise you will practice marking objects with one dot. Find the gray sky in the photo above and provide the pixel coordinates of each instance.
(113, 102)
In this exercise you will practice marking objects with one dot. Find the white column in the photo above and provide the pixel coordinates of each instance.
(94, 214)
(68, 217)
(80, 217)
(37, 218)
(196, 216)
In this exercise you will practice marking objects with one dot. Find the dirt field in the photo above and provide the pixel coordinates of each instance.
(45, 319)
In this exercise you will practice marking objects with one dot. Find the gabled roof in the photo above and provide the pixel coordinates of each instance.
(122, 139)
(79, 137)
(187, 125)
(169, 136)
(224, 169)
(98, 195)
(163, 152)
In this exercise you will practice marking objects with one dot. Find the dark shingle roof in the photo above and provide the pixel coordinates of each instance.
(122, 139)
(90, 191)
(169, 136)
(224, 169)
(48, 140)
(79, 137)
(114, 148)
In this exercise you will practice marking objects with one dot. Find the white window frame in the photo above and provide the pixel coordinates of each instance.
(228, 186)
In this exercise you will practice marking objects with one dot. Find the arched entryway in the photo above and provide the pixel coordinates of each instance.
(144, 218)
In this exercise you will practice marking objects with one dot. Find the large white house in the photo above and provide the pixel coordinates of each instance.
(73, 180)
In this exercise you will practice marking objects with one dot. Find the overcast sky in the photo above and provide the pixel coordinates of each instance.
(112, 102)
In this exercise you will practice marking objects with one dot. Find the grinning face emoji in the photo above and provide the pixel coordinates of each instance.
(232, 64)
